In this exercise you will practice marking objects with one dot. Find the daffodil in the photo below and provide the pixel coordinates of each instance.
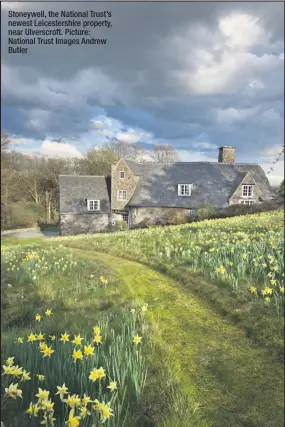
(85, 400)
(13, 391)
(42, 394)
(52, 337)
(25, 376)
(33, 409)
(62, 391)
(73, 401)
(97, 339)
(77, 354)
(47, 351)
(38, 317)
(96, 330)
(73, 421)
(64, 337)
(113, 386)
(137, 340)
(40, 377)
(19, 340)
(84, 412)
(10, 361)
(88, 350)
(96, 374)
(48, 313)
(31, 338)
(77, 340)
(252, 290)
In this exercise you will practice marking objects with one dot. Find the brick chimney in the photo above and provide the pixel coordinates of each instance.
(227, 155)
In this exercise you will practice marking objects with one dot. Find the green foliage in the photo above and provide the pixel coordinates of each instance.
(281, 190)
(206, 212)
(22, 216)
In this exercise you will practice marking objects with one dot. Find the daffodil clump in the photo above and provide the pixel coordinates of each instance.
(36, 261)
(94, 377)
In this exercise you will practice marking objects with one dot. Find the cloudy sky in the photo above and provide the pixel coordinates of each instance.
(193, 75)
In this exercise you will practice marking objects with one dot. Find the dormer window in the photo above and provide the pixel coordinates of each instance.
(247, 190)
(93, 205)
(184, 189)
(122, 174)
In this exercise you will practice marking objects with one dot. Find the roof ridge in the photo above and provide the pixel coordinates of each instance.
(208, 163)
(87, 176)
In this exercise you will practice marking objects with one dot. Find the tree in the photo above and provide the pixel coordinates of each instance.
(124, 150)
(281, 190)
(164, 153)
(5, 141)
(96, 162)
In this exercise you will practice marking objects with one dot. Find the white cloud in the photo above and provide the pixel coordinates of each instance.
(230, 115)
(97, 124)
(205, 145)
(281, 56)
(128, 137)
(15, 140)
(57, 149)
(270, 117)
(195, 156)
(242, 31)
(255, 84)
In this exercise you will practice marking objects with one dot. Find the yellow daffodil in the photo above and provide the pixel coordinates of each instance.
(40, 337)
(25, 376)
(85, 400)
(88, 350)
(33, 410)
(113, 386)
(38, 317)
(42, 394)
(96, 374)
(73, 421)
(252, 290)
(96, 330)
(19, 340)
(40, 377)
(77, 354)
(52, 337)
(97, 339)
(64, 337)
(62, 391)
(73, 401)
(48, 313)
(10, 361)
(137, 340)
(77, 340)
(31, 338)
(13, 391)
(47, 351)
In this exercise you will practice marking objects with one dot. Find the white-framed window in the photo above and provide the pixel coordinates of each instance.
(191, 212)
(247, 202)
(122, 174)
(184, 189)
(125, 216)
(122, 195)
(93, 205)
(247, 190)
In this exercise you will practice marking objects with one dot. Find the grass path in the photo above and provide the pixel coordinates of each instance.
(229, 381)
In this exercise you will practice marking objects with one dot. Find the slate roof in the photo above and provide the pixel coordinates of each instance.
(213, 183)
(75, 189)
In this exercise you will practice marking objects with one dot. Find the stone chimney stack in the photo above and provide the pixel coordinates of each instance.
(227, 155)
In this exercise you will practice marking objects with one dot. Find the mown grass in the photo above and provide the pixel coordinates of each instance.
(249, 248)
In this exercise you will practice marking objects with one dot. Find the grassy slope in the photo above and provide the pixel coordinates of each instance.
(229, 379)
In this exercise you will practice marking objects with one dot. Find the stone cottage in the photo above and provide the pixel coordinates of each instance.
(135, 192)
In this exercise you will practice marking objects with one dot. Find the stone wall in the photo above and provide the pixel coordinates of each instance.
(71, 224)
(128, 183)
(153, 214)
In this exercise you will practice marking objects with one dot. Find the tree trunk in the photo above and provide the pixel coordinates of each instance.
(48, 206)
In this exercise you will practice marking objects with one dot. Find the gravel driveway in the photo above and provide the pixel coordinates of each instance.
(30, 234)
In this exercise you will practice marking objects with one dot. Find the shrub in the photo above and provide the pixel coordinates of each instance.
(22, 216)
(206, 212)
(240, 209)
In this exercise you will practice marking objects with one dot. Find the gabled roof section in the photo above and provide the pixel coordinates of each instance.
(75, 189)
(213, 183)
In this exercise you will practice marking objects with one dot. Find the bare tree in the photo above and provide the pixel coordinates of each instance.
(5, 141)
(124, 150)
(164, 153)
